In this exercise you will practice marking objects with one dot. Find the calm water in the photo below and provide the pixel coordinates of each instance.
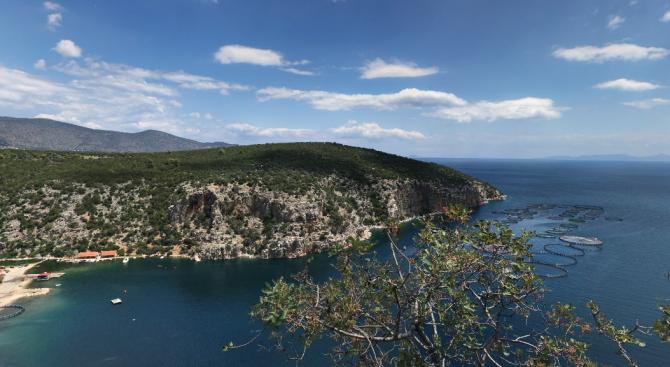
(185, 312)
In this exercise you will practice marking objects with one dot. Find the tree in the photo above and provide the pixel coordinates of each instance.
(458, 299)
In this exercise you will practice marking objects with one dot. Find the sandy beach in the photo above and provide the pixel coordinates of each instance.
(12, 287)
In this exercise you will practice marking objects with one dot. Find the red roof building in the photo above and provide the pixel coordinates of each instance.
(108, 253)
(87, 255)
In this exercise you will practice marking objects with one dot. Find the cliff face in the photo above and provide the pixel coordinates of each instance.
(232, 221)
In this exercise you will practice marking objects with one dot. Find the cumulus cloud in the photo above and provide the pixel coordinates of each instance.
(666, 17)
(53, 21)
(234, 54)
(444, 105)
(372, 130)
(48, 5)
(627, 85)
(111, 96)
(648, 103)
(67, 48)
(40, 64)
(617, 51)
(351, 130)
(380, 69)
(615, 22)
(523, 108)
(329, 101)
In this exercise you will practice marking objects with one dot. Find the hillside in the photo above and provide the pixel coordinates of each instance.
(44, 134)
(270, 201)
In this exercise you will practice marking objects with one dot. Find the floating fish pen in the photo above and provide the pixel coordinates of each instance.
(498, 212)
(555, 231)
(614, 219)
(583, 241)
(563, 250)
(566, 215)
(13, 314)
(569, 225)
(545, 235)
(577, 221)
(538, 270)
(555, 218)
(508, 221)
(550, 258)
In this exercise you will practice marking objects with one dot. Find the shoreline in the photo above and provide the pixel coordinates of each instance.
(13, 287)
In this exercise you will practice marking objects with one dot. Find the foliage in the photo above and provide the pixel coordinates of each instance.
(36, 185)
(467, 296)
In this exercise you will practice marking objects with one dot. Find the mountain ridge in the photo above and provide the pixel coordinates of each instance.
(46, 134)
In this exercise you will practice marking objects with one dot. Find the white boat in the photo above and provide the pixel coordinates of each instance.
(116, 301)
(57, 285)
(125, 260)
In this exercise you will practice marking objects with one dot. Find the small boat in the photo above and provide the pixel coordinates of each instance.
(116, 301)
(160, 266)
(125, 260)
(162, 257)
(57, 285)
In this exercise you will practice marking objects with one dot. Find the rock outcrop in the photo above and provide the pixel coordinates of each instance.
(232, 221)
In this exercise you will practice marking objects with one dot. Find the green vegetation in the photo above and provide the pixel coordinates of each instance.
(467, 296)
(124, 197)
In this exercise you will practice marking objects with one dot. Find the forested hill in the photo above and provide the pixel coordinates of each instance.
(269, 201)
(45, 134)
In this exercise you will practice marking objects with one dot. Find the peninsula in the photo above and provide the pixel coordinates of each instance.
(267, 201)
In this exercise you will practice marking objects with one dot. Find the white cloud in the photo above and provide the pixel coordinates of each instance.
(297, 71)
(48, 5)
(106, 95)
(620, 51)
(351, 130)
(40, 64)
(648, 103)
(232, 54)
(627, 85)
(615, 22)
(67, 48)
(235, 54)
(208, 116)
(195, 115)
(410, 98)
(380, 69)
(372, 130)
(666, 17)
(523, 108)
(53, 21)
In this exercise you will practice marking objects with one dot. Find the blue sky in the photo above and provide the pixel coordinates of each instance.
(431, 78)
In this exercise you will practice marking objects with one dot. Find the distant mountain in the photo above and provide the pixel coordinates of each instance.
(613, 157)
(45, 134)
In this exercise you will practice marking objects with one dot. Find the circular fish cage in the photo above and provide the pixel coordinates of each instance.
(583, 241)
(507, 221)
(569, 225)
(577, 220)
(566, 215)
(555, 218)
(498, 212)
(548, 270)
(555, 231)
(614, 219)
(545, 235)
(563, 250)
(550, 258)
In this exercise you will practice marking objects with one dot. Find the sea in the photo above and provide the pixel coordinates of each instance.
(177, 312)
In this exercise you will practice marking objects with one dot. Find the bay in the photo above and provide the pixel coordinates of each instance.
(184, 312)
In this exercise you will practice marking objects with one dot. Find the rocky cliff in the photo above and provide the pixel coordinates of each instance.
(223, 218)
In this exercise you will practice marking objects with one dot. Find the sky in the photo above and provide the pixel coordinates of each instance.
(427, 78)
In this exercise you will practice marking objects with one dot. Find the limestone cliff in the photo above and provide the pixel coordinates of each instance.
(223, 219)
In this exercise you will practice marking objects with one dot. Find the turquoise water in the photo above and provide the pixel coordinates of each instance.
(185, 312)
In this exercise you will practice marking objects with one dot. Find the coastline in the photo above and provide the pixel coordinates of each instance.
(13, 286)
